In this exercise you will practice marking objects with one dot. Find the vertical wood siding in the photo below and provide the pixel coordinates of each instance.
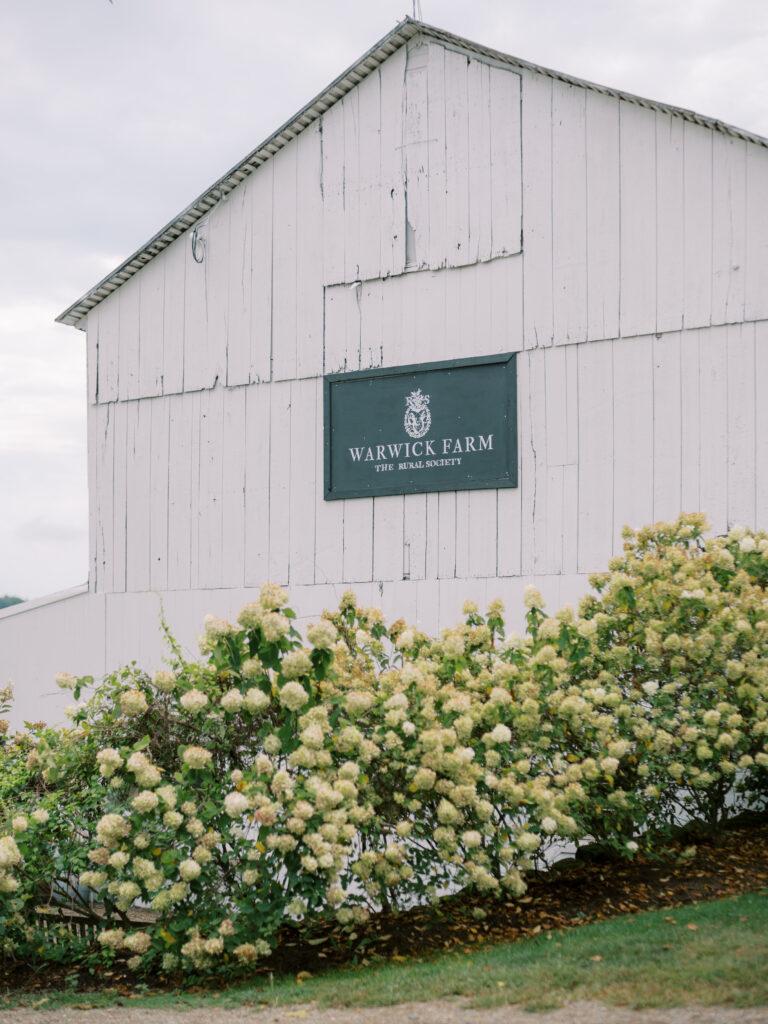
(446, 207)
(223, 488)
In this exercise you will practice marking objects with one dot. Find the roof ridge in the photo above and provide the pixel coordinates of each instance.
(398, 36)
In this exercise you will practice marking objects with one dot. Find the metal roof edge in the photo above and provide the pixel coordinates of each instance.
(41, 602)
(344, 83)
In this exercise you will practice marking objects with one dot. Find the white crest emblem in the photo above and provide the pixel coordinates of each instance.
(418, 418)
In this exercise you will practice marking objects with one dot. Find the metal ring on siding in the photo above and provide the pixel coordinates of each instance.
(198, 246)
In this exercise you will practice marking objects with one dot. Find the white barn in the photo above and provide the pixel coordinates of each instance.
(438, 200)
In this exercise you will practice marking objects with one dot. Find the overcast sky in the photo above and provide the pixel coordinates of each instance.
(113, 116)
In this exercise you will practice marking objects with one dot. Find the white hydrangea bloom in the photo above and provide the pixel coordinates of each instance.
(256, 700)
(133, 702)
(197, 757)
(272, 597)
(137, 942)
(145, 801)
(232, 701)
(296, 664)
(193, 701)
(293, 696)
(112, 938)
(189, 870)
(236, 804)
(274, 626)
(322, 634)
(164, 681)
(10, 855)
(111, 828)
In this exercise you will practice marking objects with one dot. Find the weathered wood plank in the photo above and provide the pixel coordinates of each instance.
(108, 335)
(92, 354)
(102, 525)
(741, 405)
(414, 532)
(416, 156)
(180, 430)
(262, 272)
(670, 234)
(392, 192)
(350, 225)
(456, 158)
(537, 210)
(309, 254)
(210, 536)
(390, 552)
(756, 273)
(334, 233)
(603, 216)
(128, 345)
(239, 299)
(217, 280)
(595, 374)
(446, 526)
(369, 170)
(533, 461)
(329, 526)
(280, 482)
(697, 159)
(195, 524)
(174, 261)
(138, 464)
(690, 422)
(667, 427)
(159, 512)
(342, 329)
(119, 498)
(729, 173)
(462, 564)
(713, 427)
(357, 565)
(436, 157)
(303, 487)
(197, 362)
(257, 438)
(638, 219)
(569, 213)
(151, 317)
(479, 161)
(632, 436)
(234, 460)
(284, 264)
(506, 163)
(483, 533)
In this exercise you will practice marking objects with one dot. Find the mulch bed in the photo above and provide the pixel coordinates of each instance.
(576, 892)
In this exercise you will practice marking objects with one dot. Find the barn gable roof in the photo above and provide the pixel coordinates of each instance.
(406, 29)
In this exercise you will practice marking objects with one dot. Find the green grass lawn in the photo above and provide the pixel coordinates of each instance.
(709, 953)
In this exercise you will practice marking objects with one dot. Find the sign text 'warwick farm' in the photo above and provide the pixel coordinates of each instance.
(446, 426)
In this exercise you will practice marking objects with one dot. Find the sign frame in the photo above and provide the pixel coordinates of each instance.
(507, 362)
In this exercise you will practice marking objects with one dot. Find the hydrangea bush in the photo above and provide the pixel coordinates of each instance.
(285, 779)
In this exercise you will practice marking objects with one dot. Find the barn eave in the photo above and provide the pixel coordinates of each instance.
(406, 29)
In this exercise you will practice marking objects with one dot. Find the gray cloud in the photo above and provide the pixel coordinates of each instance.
(114, 116)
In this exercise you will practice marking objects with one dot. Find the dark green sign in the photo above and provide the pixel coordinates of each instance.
(446, 426)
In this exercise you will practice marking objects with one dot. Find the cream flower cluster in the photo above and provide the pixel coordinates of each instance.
(378, 766)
